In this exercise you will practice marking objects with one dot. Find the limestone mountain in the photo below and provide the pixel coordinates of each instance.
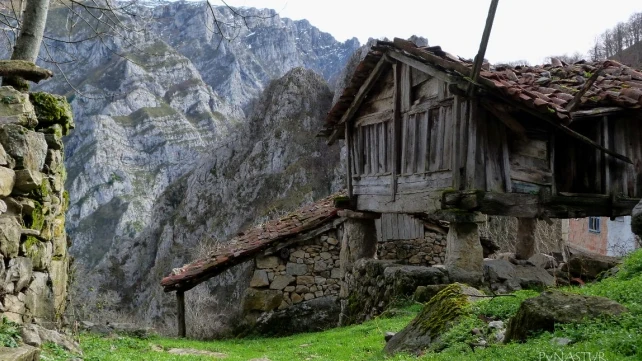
(150, 105)
(272, 162)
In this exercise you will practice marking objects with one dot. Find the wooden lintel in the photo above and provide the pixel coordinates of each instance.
(358, 215)
(180, 313)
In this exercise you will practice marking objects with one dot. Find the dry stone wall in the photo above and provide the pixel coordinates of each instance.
(34, 263)
(295, 274)
(427, 251)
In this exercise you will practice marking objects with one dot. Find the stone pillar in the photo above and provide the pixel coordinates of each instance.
(636, 220)
(359, 241)
(464, 254)
(525, 246)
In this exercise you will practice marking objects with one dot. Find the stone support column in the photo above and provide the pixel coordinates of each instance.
(525, 246)
(464, 255)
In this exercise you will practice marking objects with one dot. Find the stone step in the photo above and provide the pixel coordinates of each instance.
(22, 353)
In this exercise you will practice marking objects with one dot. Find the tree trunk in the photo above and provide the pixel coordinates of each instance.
(525, 247)
(28, 42)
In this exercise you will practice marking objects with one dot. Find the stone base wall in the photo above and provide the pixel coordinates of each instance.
(295, 274)
(34, 263)
(372, 285)
(427, 251)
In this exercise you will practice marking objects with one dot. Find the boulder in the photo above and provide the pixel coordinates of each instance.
(424, 294)
(588, 266)
(14, 307)
(57, 338)
(28, 148)
(314, 315)
(503, 276)
(7, 181)
(542, 260)
(5, 159)
(543, 312)
(30, 335)
(59, 274)
(10, 231)
(406, 279)
(22, 353)
(39, 252)
(261, 300)
(436, 317)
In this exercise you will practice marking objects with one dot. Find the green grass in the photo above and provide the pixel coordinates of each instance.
(606, 340)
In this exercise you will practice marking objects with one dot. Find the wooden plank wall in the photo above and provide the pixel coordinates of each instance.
(426, 134)
(398, 226)
(623, 135)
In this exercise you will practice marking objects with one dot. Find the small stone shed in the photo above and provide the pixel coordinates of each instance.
(301, 261)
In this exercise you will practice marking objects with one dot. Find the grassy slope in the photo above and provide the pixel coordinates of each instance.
(618, 339)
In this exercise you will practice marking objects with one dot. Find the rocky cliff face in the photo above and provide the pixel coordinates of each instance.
(34, 262)
(273, 162)
(150, 105)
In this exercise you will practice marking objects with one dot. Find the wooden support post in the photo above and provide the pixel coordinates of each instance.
(180, 301)
(479, 58)
(525, 247)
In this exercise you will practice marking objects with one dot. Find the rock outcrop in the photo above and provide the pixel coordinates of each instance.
(34, 267)
(436, 317)
(543, 312)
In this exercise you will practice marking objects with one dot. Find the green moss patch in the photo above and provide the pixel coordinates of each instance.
(52, 109)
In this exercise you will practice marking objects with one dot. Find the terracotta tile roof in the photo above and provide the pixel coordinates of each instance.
(544, 88)
(250, 243)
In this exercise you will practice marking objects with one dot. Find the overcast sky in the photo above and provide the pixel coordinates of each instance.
(530, 30)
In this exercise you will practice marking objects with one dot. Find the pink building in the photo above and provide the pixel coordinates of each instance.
(601, 235)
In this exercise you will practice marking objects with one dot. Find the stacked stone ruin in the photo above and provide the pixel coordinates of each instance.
(34, 271)
(301, 272)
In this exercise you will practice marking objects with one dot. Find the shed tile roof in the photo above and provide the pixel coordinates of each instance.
(544, 88)
(252, 242)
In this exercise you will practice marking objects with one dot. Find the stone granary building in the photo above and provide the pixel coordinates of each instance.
(427, 144)
(554, 141)
(300, 262)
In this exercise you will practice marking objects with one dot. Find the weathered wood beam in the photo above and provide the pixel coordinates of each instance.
(479, 58)
(426, 68)
(509, 121)
(537, 206)
(24, 69)
(575, 102)
(396, 130)
(336, 133)
(349, 145)
(595, 112)
(180, 313)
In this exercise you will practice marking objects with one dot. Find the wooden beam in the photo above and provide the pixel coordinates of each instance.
(348, 136)
(336, 133)
(425, 68)
(396, 130)
(595, 112)
(363, 91)
(180, 312)
(509, 121)
(575, 102)
(479, 58)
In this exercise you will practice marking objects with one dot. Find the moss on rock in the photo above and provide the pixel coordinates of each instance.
(52, 109)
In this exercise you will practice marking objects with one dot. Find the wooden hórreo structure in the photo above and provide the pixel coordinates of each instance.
(553, 141)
